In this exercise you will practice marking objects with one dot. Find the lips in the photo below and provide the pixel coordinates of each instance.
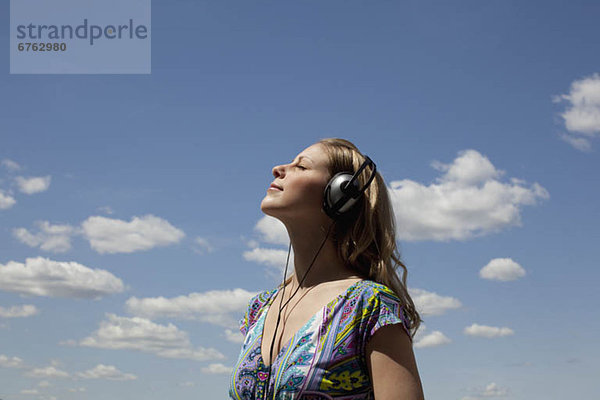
(275, 187)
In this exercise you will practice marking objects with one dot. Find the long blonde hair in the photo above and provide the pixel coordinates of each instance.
(366, 237)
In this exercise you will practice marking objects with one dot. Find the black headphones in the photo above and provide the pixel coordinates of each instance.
(342, 191)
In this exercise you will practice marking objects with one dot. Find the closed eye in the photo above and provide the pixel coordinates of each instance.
(300, 166)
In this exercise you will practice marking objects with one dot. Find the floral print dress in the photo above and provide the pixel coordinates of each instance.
(325, 359)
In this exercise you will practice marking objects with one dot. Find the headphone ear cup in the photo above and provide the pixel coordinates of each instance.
(338, 198)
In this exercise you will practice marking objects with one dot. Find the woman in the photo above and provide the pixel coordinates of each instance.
(341, 326)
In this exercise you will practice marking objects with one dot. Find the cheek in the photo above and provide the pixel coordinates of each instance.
(310, 191)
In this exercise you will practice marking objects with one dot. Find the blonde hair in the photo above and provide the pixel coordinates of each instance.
(366, 237)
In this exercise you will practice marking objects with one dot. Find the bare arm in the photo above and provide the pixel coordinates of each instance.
(392, 365)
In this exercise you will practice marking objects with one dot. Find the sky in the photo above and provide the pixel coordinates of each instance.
(131, 236)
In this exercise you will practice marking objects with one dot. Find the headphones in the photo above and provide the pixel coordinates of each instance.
(342, 191)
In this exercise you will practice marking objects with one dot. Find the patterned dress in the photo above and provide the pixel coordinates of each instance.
(325, 359)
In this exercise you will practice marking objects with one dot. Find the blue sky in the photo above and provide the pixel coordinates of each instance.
(130, 230)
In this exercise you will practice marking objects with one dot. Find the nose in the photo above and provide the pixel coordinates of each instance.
(279, 171)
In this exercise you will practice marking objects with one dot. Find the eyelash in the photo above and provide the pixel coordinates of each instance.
(300, 166)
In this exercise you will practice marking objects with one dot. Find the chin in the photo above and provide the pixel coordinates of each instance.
(271, 210)
(266, 208)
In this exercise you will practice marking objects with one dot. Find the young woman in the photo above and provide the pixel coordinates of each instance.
(341, 326)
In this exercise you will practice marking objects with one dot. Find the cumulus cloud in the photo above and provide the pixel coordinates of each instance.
(215, 306)
(10, 164)
(29, 391)
(34, 184)
(270, 257)
(25, 310)
(234, 336)
(272, 230)
(109, 372)
(107, 235)
(11, 362)
(582, 115)
(54, 238)
(6, 201)
(217, 369)
(429, 303)
(502, 269)
(487, 331)
(433, 339)
(44, 277)
(143, 335)
(47, 372)
(466, 201)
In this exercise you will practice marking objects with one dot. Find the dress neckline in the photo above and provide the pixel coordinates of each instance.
(290, 341)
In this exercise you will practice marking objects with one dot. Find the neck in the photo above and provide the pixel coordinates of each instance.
(306, 240)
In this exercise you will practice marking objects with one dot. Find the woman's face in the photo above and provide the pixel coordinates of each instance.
(297, 190)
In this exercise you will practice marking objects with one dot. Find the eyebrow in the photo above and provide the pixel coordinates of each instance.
(301, 157)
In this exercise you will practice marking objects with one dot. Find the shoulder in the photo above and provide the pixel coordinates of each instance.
(370, 292)
(257, 302)
(379, 306)
(256, 306)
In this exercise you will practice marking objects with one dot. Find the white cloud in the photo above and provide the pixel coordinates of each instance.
(467, 200)
(34, 184)
(44, 277)
(217, 369)
(141, 334)
(491, 390)
(48, 372)
(25, 310)
(29, 391)
(487, 331)
(583, 112)
(272, 230)
(433, 339)
(202, 246)
(11, 362)
(270, 257)
(107, 235)
(502, 269)
(44, 384)
(109, 372)
(10, 164)
(214, 306)
(54, 238)
(494, 390)
(580, 143)
(582, 116)
(234, 336)
(6, 201)
(429, 303)
(77, 390)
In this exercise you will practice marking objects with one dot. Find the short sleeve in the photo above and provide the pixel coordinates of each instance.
(244, 322)
(255, 308)
(382, 308)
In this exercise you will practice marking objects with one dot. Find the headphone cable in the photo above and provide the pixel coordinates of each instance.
(281, 307)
